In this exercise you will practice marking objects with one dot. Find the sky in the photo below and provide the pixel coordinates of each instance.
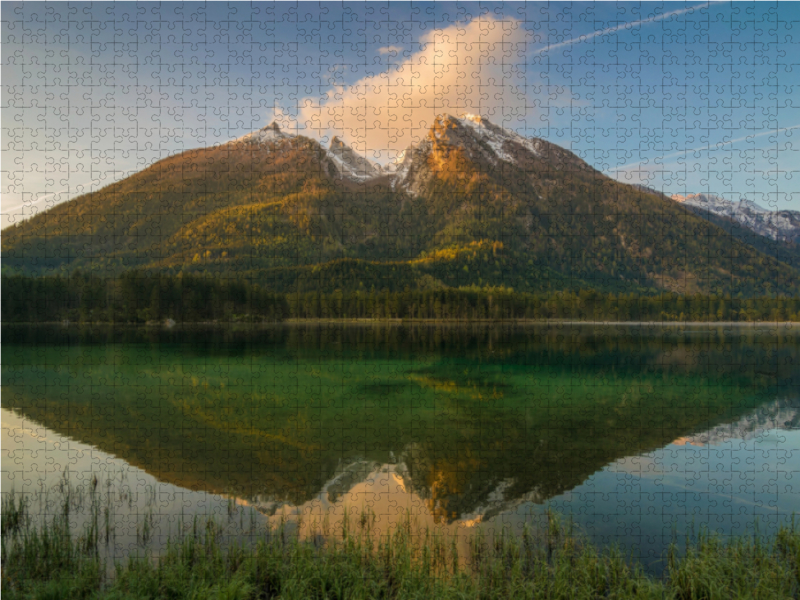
(683, 97)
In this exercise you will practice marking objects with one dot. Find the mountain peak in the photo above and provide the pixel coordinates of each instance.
(483, 144)
(477, 119)
(269, 133)
(503, 144)
(445, 117)
(777, 225)
(486, 206)
(350, 164)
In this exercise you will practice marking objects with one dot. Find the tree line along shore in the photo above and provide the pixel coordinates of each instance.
(133, 298)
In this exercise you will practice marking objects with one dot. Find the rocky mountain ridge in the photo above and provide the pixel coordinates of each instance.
(347, 162)
(778, 225)
(470, 205)
(269, 134)
(352, 165)
(482, 142)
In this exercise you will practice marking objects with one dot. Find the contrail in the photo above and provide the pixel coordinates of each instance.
(5, 210)
(589, 36)
(710, 147)
(24, 204)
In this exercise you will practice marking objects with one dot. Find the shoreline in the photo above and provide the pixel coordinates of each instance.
(383, 321)
(55, 559)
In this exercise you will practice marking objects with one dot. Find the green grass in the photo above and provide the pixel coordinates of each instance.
(49, 560)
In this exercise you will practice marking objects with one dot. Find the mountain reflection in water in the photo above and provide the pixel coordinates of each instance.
(460, 423)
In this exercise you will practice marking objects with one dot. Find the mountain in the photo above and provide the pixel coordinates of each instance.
(552, 210)
(480, 146)
(779, 225)
(350, 164)
(270, 134)
(785, 252)
(471, 204)
(648, 190)
(267, 200)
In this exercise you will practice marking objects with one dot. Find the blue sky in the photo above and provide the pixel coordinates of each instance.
(686, 97)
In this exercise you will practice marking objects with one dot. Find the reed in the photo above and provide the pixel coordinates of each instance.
(45, 558)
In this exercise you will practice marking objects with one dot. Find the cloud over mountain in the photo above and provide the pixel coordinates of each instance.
(474, 67)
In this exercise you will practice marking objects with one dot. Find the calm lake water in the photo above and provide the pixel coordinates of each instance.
(636, 433)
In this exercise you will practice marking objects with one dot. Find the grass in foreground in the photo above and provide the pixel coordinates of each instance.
(49, 561)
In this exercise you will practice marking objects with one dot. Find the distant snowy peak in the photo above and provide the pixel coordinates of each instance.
(781, 225)
(268, 134)
(718, 203)
(350, 164)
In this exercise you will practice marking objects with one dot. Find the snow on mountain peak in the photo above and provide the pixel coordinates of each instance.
(396, 165)
(350, 164)
(477, 119)
(270, 133)
(718, 203)
(497, 137)
(480, 141)
(777, 225)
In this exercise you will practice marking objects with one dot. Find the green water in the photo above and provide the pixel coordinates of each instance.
(474, 422)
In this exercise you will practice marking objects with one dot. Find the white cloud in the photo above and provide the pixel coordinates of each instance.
(476, 67)
(285, 120)
(390, 49)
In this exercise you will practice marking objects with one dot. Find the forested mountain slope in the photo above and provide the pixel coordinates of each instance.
(471, 205)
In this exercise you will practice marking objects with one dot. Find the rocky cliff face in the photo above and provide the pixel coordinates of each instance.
(350, 164)
(486, 146)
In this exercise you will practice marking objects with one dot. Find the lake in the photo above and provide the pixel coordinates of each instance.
(639, 435)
